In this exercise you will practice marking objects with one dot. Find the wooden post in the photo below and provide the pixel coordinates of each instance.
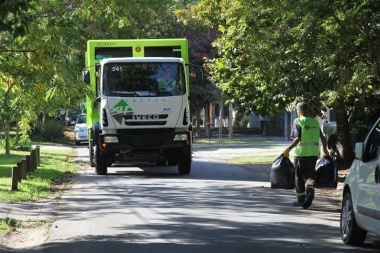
(33, 160)
(38, 155)
(23, 169)
(19, 171)
(28, 164)
(15, 176)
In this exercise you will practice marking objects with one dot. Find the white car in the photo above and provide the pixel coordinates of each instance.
(360, 212)
(80, 129)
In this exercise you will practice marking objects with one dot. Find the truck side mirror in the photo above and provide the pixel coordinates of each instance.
(86, 76)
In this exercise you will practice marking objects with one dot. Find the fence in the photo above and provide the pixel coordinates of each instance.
(27, 165)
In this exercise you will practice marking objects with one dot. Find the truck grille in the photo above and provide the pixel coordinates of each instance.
(145, 120)
(148, 131)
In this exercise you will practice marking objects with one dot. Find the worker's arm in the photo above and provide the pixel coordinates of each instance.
(292, 145)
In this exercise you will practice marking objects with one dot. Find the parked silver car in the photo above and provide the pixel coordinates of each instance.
(81, 134)
(360, 212)
(71, 117)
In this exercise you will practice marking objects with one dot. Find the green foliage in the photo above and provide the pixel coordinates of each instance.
(51, 130)
(14, 18)
(320, 51)
(23, 143)
(40, 70)
(7, 224)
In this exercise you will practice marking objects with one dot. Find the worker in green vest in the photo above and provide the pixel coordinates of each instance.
(306, 133)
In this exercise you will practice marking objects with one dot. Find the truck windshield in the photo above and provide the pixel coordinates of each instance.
(143, 79)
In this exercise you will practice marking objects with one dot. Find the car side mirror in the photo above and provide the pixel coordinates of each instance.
(359, 150)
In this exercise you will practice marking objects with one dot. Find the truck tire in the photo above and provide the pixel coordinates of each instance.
(161, 163)
(100, 162)
(184, 164)
(91, 153)
(172, 163)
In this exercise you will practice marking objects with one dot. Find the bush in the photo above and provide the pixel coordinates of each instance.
(2, 142)
(51, 130)
(23, 143)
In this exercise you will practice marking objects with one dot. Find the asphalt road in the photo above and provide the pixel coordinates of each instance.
(217, 208)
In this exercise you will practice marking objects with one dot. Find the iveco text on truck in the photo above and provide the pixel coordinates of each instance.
(138, 103)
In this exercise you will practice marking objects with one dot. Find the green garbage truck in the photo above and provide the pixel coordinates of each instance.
(137, 106)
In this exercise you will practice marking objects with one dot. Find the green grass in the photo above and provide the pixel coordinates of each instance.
(226, 141)
(55, 167)
(255, 159)
(8, 224)
(7, 162)
(39, 184)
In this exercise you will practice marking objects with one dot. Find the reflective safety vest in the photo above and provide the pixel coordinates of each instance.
(309, 144)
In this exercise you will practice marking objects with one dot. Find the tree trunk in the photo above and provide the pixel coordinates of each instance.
(343, 132)
(7, 140)
(198, 122)
(221, 118)
(230, 122)
(207, 122)
(17, 131)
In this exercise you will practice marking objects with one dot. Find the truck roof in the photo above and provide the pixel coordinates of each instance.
(142, 59)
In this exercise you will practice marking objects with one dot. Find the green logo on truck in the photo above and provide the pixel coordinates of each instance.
(120, 109)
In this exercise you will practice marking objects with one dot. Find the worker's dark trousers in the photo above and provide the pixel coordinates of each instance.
(305, 173)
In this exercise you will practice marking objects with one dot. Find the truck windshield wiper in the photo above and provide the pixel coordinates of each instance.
(125, 93)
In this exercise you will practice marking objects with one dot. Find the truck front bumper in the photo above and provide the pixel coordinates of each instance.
(132, 142)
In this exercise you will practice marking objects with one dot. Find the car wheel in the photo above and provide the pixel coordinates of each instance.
(77, 143)
(350, 232)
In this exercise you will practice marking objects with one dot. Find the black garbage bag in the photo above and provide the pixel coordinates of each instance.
(326, 171)
(282, 174)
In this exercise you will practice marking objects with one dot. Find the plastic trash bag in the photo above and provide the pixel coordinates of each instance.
(326, 173)
(282, 174)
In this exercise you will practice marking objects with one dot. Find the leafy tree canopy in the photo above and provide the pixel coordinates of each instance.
(275, 53)
(14, 18)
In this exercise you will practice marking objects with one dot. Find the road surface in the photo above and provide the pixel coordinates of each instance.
(217, 208)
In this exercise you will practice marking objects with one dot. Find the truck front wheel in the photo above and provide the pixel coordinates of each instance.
(91, 152)
(100, 162)
(184, 164)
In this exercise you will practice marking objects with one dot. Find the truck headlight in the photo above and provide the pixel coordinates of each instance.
(110, 139)
(181, 137)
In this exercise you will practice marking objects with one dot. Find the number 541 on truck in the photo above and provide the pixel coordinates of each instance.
(137, 107)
